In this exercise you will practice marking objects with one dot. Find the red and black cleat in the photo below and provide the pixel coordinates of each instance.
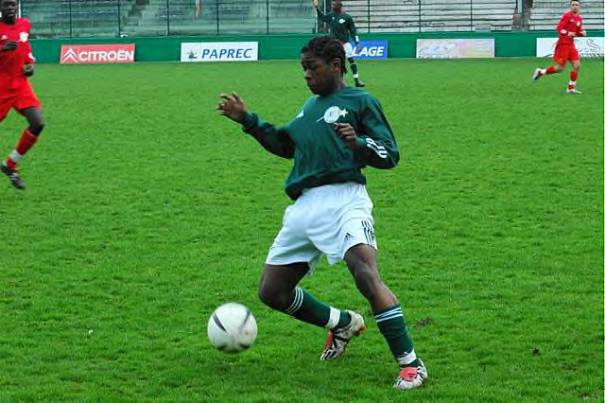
(13, 177)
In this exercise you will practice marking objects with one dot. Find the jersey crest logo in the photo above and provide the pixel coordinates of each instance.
(342, 21)
(23, 36)
(332, 114)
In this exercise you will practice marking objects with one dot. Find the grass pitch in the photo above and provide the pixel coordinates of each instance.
(145, 210)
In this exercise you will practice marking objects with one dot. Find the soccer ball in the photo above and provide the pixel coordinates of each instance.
(232, 328)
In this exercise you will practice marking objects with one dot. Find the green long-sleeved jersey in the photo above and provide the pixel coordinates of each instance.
(320, 156)
(341, 25)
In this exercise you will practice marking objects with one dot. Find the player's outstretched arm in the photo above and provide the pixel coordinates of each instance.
(273, 139)
(233, 107)
(320, 14)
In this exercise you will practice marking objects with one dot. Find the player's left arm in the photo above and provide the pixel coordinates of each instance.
(30, 60)
(320, 15)
(562, 25)
(353, 31)
(375, 143)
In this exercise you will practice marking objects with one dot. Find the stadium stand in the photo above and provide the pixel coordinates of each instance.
(258, 16)
(77, 18)
(545, 14)
(432, 15)
(58, 18)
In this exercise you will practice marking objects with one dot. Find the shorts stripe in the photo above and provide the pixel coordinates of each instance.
(368, 232)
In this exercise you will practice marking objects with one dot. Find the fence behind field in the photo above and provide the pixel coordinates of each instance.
(89, 18)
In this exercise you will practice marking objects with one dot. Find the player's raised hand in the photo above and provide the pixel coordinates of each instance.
(583, 33)
(28, 70)
(347, 133)
(233, 107)
(9, 46)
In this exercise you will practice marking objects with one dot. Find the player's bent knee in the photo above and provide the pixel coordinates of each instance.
(264, 295)
(36, 128)
(273, 298)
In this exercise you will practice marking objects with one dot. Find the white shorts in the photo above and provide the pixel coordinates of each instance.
(348, 50)
(326, 220)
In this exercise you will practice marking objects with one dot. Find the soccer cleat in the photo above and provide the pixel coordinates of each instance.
(537, 74)
(411, 377)
(13, 176)
(574, 91)
(359, 83)
(338, 339)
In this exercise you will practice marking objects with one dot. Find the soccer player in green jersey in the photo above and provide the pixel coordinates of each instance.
(342, 28)
(338, 131)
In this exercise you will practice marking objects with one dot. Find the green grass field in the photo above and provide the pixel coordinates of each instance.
(146, 210)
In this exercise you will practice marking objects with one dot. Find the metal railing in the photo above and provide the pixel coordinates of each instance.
(86, 18)
(546, 13)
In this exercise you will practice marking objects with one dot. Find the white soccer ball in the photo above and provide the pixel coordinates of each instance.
(232, 328)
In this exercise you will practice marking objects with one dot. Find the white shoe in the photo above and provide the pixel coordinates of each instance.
(574, 91)
(411, 377)
(537, 74)
(338, 339)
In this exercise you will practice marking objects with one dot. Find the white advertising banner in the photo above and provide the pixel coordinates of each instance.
(219, 52)
(588, 47)
(455, 48)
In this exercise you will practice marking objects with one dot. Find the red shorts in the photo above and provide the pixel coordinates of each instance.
(565, 53)
(19, 99)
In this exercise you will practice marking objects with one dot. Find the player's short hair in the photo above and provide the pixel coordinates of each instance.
(572, 1)
(326, 48)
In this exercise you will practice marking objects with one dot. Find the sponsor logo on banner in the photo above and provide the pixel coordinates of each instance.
(455, 48)
(219, 52)
(587, 46)
(97, 54)
(372, 50)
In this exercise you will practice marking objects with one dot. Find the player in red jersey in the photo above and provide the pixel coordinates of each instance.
(16, 65)
(569, 27)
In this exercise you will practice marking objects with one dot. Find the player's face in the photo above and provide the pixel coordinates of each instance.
(321, 77)
(575, 7)
(8, 8)
(336, 5)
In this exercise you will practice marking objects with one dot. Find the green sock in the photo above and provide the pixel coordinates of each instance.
(392, 326)
(307, 308)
